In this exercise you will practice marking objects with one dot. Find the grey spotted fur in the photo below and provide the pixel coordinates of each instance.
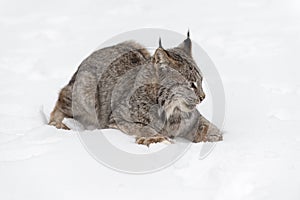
(87, 96)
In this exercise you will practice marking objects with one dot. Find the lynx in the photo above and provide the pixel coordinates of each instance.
(161, 107)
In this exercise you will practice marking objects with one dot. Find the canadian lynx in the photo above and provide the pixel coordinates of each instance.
(151, 97)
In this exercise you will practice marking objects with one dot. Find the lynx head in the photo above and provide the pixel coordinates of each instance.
(180, 59)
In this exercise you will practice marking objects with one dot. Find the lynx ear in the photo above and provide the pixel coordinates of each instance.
(160, 55)
(186, 45)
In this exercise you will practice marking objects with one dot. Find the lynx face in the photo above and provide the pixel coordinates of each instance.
(188, 68)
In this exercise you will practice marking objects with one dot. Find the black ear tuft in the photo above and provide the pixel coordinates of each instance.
(159, 43)
(188, 33)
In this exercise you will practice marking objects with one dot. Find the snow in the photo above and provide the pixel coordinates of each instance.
(254, 45)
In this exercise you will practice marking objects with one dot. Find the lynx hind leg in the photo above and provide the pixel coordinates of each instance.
(62, 109)
(207, 132)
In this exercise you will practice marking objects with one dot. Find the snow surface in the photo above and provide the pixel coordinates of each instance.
(254, 45)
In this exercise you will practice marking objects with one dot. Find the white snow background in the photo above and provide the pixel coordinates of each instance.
(255, 46)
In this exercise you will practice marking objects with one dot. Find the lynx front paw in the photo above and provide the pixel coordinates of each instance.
(208, 133)
(59, 125)
(153, 139)
(214, 137)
